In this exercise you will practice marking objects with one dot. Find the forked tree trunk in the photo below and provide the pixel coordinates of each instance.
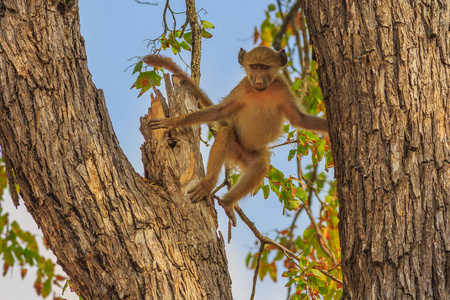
(384, 68)
(117, 235)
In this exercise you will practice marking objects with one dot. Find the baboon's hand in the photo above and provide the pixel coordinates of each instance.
(201, 190)
(159, 123)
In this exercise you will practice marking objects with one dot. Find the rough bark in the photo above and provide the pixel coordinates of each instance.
(191, 13)
(384, 68)
(116, 234)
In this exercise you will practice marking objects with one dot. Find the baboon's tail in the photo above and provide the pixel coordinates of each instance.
(166, 63)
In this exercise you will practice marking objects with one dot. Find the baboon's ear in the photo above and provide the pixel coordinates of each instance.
(283, 57)
(241, 55)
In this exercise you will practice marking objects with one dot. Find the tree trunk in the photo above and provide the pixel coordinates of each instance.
(117, 235)
(384, 68)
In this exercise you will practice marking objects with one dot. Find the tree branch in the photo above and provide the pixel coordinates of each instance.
(262, 238)
(290, 15)
(331, 276)
(288, 253)
(191, 14)
(255, 277)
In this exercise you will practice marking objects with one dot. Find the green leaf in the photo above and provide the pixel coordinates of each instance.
(290, 282)
(323, 290)
(176, 33)
(188, 37)
(30, 256)
(318, 274)
(301, 194)
(320, 150)
(174, 50)
(185, 46)
(18, 252)
(290, 273)
(235, 178)
(274, 188)
(302, 149)
(47, 288)
(272, 269)
(207, 25)
(329, 159)
(271, 7)
(266, 191)
(290, 134)
(314, 160)
(138, 67)
(65, 286)
(275, 175)
(206, 34)
(15, 226)
(292, 153)
(8, 257)
(295, 204)
(247, 259)
(175, 46)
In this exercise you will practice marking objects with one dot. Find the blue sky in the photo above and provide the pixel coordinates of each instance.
(115, 31)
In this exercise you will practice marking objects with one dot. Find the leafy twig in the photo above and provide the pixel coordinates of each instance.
(290, 15)
(320, 237)
(330, 276)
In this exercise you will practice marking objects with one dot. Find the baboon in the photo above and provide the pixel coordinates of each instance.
(250, 118)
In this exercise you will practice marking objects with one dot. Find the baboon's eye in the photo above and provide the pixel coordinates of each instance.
(264, 67)
(254, 66)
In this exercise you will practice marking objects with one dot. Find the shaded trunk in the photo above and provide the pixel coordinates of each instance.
(116, 234)
(384, 68)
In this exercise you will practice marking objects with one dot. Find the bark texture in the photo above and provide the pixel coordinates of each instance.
(116, 234)
(384, 68)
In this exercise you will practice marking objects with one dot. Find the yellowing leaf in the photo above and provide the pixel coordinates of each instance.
(318, 274)
(206, 34)
(138, 67)
(207, 24)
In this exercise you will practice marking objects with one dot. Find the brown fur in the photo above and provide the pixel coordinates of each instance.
(167, 63)
(252, 117)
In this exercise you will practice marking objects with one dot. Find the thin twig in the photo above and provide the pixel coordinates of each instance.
(204, 142)
(312, 188)
(146, 3)
(290, 15)
(329, 270)
(224, 183)
(183, 27)
(255, 276)
(164, 17)
(304, 59)
(291, 228)
(330, 276)
(320, 237)
(288, 142)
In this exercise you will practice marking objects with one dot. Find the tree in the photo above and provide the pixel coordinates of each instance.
(107, 225)
(384, 72)
(112, 231)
